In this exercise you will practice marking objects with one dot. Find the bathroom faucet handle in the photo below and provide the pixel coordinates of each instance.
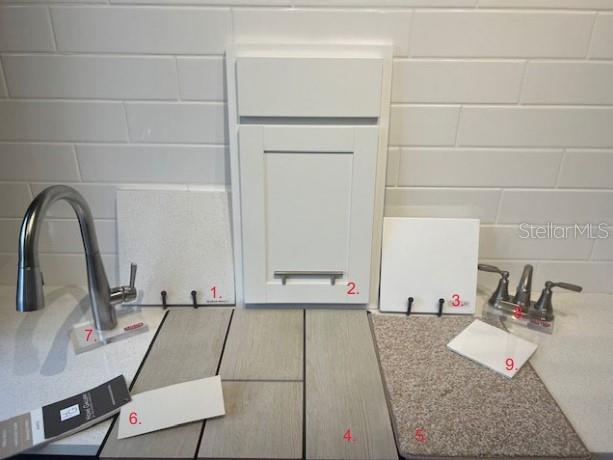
(563, 285)
(492, 269)
(133, 268)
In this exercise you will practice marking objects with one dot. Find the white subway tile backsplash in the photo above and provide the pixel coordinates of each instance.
(559, 4)
(423, 125)
(478, 167)
(323, 26)
(73, 270)
(153, 164)
(3, 91)
(177, 123)
(587, 169)
(592, 276)
(14, 199)
(38, 162)
(536, 126)
(442, 202)
(91, 77)
(8, 269)
(62, 121)
(160, 30)
(603, 248)
(25, 28)
(448, 81)
(556, 206)
(501, 34)
(60, 236)
(101, 200)
(569, 83)
(393, 160)
(202, 78)
(602, 37)
(496, 242)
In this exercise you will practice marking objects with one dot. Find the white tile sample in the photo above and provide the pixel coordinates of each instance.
(202, 78)
(101, 200)
(423, 125)
(15, 199)
(62, 121)
(493, 348)
(38, 162)
(172, 405)
(172, 122)
(141, 29)
(559, 206)
(478, 167)
(456, 81)
(587, 169)
(442, 202)
(91, 77)
(25, 28)
(429, 259)
(152, 163)
(181, 242)
(501, 34)
(323, 26)
(568, 83)
(602, 37)
(536, 126)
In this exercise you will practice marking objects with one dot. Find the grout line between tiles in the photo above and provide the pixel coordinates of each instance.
(588, 52)
(223, 349)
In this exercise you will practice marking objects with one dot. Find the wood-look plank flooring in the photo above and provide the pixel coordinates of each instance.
(344, 390)
(188, 347)
(264, 345)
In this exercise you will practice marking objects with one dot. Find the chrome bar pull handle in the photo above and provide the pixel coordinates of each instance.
(333, 275)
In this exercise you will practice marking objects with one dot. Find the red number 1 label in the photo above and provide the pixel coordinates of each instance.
(214, 291)
(352, 288)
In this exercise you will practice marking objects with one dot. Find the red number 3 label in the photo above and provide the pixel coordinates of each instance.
(456, 301)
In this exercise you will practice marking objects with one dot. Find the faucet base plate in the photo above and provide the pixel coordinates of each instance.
(85, 337)
(509, 313)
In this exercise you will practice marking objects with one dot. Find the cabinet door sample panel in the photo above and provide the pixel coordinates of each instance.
(307, 207)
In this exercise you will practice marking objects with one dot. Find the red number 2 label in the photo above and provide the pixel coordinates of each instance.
(352, 288)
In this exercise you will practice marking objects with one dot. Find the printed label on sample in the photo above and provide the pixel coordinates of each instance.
(55, 420)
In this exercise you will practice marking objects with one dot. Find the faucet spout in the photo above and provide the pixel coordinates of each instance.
(30, 295)
(522, 295)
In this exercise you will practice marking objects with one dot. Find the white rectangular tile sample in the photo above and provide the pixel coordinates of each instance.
(181, 241)
(429, 259)
(493, 348)
(172, 405)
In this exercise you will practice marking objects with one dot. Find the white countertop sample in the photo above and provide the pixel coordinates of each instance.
(38, 365)
(576, 363)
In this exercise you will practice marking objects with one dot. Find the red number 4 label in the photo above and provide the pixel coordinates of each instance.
(348, 436)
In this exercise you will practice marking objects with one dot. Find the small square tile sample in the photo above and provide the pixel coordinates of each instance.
(493, 348)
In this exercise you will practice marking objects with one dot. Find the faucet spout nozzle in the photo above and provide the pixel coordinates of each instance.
(30, 295)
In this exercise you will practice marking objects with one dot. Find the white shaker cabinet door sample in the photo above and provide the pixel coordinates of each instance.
(493, 348)
(429, 259)
(181, 241)
(307, 196)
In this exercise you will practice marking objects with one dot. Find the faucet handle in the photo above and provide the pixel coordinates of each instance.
(543, 306)
(502, 290)
(491, 268)
(133, 268)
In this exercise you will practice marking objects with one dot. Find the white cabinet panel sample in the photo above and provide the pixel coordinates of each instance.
(429, 259)
(307, 197)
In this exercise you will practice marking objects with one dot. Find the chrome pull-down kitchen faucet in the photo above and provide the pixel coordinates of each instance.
(30, 294)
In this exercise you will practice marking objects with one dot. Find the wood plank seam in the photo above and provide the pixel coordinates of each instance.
(223, 348)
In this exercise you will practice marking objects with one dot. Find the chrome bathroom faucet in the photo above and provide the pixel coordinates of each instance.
(30, 296)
